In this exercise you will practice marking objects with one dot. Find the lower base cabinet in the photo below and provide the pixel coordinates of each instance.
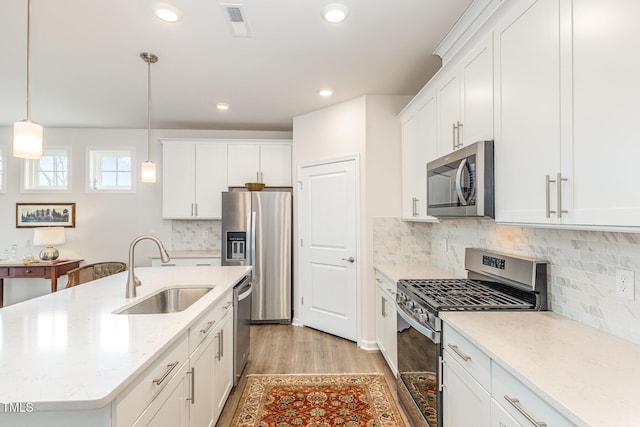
(500, 417)
(169, 408)
(223, 365)
(465, 402)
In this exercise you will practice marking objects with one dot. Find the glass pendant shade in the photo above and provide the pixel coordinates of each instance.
(148, 173)
(27, 139)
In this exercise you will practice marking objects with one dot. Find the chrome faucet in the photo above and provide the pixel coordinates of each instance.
(132, 280)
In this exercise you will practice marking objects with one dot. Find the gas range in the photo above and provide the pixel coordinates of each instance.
(495, 281)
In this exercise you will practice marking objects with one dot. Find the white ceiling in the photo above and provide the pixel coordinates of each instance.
(86, 69)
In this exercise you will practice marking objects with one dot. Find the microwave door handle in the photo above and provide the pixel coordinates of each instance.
(461, 167)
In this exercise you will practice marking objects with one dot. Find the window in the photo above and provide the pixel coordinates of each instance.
(110, 170)
(50, 173)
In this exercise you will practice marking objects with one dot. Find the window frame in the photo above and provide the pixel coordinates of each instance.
(29, 175)
(91, 163)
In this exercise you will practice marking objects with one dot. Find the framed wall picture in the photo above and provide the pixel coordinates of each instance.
(45, 215)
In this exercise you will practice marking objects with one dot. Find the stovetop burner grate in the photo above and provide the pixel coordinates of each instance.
(465, 294)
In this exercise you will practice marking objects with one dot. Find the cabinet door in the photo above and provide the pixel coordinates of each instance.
(476, 73)
(419, 146)
(465, 402)
(605, 93)
(527, 99)
(201, 404)
(211, 179)
(223, 363)
(178, 180)
(275, 164)
(243, 164)
(381, 331)
(449, 113)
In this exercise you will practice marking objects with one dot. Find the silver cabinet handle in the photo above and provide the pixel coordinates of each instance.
(559, 180)
(192, 372)
(455, 128)
(441, 385)
(459, 138)
(414, 206)
(459, 352)
(515, 402)
(196, 208)
(209, 325)
(170, 367)
(229, 304)
(548, 182)
(192, 209)
(378, 281)
(384, 307)
(350, 259)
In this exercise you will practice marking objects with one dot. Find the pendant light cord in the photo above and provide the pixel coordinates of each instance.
(29, 60)
(148, 111)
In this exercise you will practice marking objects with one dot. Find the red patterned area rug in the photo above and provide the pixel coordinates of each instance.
(345, 400)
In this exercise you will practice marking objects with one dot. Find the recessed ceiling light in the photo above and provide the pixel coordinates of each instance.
(325, 92)
(335, 12)
(222, 106)
(167, 12)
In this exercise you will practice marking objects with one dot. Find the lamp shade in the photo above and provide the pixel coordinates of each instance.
(148, 171)
(27, 139)
(48, 236)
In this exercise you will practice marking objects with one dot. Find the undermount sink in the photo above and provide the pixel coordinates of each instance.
(171, 300)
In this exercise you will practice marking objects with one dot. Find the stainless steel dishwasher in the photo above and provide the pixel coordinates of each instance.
(241, 323)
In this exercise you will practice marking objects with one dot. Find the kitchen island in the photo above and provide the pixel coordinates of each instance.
(67, 359)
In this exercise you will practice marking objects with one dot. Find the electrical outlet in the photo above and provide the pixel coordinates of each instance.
(445, 245)
(625, 284)
(205, 234)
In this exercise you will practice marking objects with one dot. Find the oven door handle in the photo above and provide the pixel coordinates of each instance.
(423, 329)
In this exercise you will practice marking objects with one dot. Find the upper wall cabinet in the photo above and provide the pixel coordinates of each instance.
(419, 139)
(563, 114)
(265, 162)
(193, 176)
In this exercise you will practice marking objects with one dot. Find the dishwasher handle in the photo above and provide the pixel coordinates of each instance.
(243, 289)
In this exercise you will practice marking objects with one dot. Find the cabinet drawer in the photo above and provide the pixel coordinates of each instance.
(500, 417)
(470, 357)
(186, 262)
(520, 402)
(388, 286)
(207, 323)
(27, 272)
(144, 389)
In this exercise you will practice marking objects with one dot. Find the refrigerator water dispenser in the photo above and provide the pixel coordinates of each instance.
(236, 245)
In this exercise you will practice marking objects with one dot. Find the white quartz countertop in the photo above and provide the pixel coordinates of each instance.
(396, 272)
(67, 350)
(591, 377)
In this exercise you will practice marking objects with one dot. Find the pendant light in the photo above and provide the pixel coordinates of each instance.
(148, 173)
(28, 135)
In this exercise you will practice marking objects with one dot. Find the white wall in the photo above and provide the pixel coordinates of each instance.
(105, 223)
(366, 126)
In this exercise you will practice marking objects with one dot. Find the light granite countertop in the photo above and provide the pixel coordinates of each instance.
(68, 351)
(591, 377)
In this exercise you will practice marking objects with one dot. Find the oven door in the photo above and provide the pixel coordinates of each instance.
(419, 355)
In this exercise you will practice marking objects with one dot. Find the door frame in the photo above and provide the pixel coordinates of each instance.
(300, 250)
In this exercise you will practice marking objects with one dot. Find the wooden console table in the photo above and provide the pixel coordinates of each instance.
(36, 270)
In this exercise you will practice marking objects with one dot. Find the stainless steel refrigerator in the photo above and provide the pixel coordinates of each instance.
(257, 231)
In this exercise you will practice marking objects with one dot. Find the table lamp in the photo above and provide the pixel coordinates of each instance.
(48, 236)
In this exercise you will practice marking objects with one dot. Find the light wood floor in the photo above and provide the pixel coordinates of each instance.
(286, 349)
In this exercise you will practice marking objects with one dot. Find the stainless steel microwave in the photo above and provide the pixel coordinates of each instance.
(461, 184)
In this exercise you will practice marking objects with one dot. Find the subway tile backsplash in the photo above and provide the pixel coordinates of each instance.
(582, 263)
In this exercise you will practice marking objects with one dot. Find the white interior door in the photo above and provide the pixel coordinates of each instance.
(329, 219)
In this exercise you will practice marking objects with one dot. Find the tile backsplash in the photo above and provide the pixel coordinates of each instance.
(196, 235)
(582, 263)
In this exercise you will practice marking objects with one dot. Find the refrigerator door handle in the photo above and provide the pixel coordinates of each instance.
(253, 239)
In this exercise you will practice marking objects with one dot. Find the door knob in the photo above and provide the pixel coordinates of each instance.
(350, 259)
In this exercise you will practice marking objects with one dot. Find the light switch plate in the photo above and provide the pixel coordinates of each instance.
(625, 284)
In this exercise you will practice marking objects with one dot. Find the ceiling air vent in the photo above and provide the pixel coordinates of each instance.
(236, 17)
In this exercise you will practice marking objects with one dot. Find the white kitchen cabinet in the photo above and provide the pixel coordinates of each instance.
(465, 402)
(419, 145)
(605, 150)
(528, 131)
(168, 409)
(223, 363)
(449, 111)
(201, 374)
(386, 321)
(500, 417)
(194, 174)
(268, 162)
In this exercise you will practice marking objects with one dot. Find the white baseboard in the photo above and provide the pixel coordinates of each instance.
(368, 345)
